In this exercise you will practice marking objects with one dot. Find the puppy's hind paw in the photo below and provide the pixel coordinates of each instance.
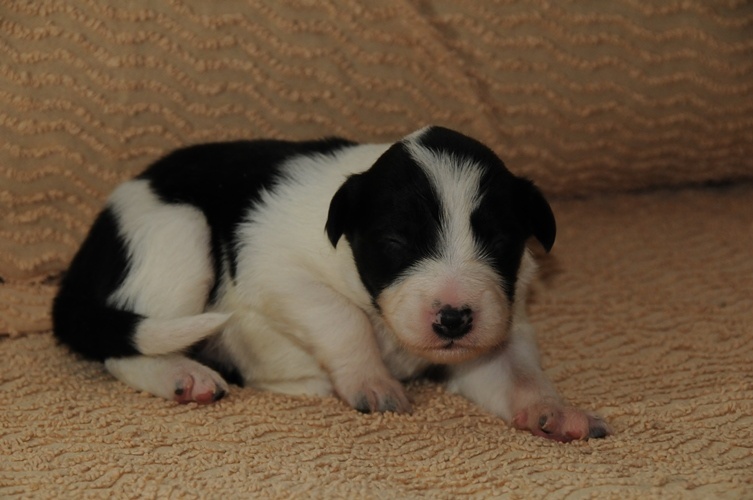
(202, 386)
(171, 377)
(186, 391)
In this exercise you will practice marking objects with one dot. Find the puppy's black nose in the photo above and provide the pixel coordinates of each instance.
(453, 323)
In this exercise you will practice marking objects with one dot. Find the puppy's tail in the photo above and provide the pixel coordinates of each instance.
(100, 331)
(162, 336)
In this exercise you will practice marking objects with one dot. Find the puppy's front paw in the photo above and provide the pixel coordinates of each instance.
(379, 394)
(560, 423)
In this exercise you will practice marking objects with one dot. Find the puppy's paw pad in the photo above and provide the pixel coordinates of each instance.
(549, 421)
(203, 388)
(563, 424)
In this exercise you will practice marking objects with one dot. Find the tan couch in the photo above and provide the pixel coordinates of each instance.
(635, 117)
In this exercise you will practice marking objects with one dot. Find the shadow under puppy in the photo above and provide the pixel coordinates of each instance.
(321, 267)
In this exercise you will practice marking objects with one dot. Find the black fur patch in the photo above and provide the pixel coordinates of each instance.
(81, 318)
(389, 215)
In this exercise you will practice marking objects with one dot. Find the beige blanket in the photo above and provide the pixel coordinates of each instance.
(645, 313)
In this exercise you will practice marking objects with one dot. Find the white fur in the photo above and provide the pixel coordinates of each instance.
(151, 338)
(170, 271)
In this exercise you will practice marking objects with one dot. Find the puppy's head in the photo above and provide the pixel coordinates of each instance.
(437, 227)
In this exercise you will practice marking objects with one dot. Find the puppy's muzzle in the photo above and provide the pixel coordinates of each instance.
(453, 323)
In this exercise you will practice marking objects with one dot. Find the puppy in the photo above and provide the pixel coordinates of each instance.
(317, 268)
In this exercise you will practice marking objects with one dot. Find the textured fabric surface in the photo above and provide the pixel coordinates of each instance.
(645, 313)
(579, 95)
(25, 307)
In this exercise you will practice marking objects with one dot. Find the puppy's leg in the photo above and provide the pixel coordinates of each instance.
(168, 281)
(342, 340)
(511, 384)
(170, 269)
(171, 377)
(535, 404)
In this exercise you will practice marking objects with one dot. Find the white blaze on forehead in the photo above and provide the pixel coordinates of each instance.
(456, 181)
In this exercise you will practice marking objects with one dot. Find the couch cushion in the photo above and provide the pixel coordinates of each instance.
(580, 96)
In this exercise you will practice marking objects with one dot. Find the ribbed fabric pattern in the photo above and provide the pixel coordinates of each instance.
(645, 313)
(581, 96)
(25, 307)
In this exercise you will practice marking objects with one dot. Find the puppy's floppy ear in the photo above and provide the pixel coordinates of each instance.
(534, 207)
(342, 209)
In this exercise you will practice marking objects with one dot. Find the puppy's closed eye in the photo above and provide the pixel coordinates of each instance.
(500, 243)
(395, 248)
(394, 243)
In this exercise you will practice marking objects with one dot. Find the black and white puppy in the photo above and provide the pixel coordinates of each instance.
(317, 268)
